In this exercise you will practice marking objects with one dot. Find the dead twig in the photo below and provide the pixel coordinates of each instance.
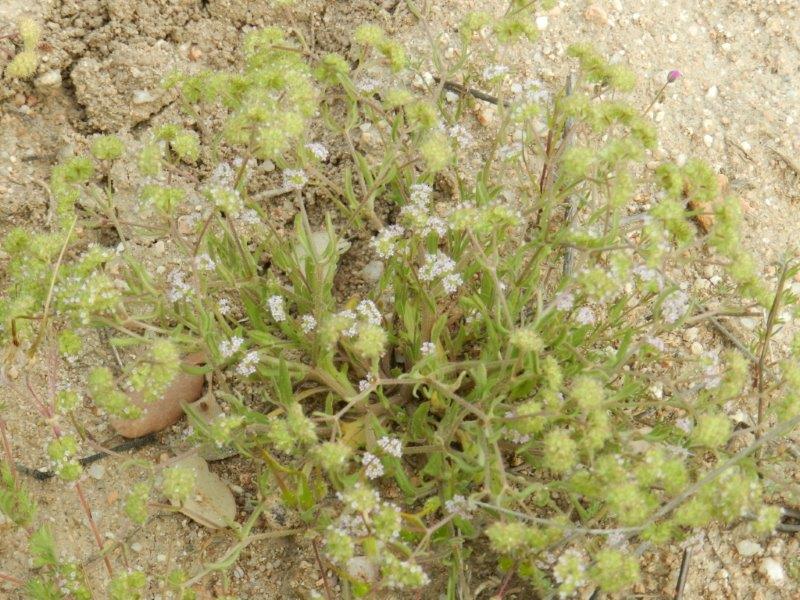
(452, 86)
(683, 573)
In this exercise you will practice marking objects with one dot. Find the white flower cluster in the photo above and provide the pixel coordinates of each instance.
(367, 383)
(224, 306)
(418, 214)
(277, 308)
(585, 316)
(441, 267)
(308, 323)
(564, 301)
(318, 150)
(427, 348)
(675, 306)
(385, 243)
(373, 465)
(294, 179)
(178, 288)
(461, 136)
(569, 572)
(391, 445)
(531, 90)
(228, 348)
(493, 71)
(203, 262)
(247, 366)
(366, 312)
(459, 505)
(368, 85)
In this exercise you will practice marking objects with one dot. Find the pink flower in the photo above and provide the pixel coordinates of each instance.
(674, 75)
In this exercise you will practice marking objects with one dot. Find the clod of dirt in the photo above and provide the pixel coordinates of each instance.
(162, 413)
(211, 503)
(125, 88)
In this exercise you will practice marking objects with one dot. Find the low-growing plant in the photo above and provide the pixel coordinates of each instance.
(513, 379)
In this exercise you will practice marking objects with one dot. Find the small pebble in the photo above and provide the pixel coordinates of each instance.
(690, 335)
(696, 348)
(595, 14)
(772, 570)
(136, 547)
(372, 271)
(97, 471)
(142, 97)
(542, 22)
(748, 548)
(49, 79)
(708, 140)
(712, 92)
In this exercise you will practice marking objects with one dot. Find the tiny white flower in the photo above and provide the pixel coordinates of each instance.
(460, 134)
(318, 150)
(374, 466)
(391, 445)
(203, 262)
(656, 343)
(675, 306)
(493, 71)
(178, 289)
(459, 505)
(385, 243)
(250, 217)
(367, 383)
(564, 301)
(294, 179)
(224, 306)
(247, 366)
(230, 347)
(308, 323)
(276, 308)
(585, 316)
(370, 312)
(428, 348)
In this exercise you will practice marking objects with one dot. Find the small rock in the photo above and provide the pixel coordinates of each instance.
(542, 22)
(211, 504)
(696, 348)
(712, 92)
(708, 140)
(143, 97)
(195, 53)
(691, 334)
(594, 13)
(49, 79)
(159, 248)
(772, 570)
(97, 471)
(372, 271)
(136, 547)
(748, 548)
(167, 410)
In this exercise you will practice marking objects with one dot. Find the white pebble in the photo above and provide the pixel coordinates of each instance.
(97, 471)
(142, 97)
(748, 548)
(49, 79)
(696, 348)
(691, 334)
(708, 140)
(542, 22)
(712, 92)
(772, 570)
(372, 271)
(136, 547)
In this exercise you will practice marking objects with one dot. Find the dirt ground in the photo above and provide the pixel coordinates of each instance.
(736, 105)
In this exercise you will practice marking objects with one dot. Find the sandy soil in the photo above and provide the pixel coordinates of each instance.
(738, 102)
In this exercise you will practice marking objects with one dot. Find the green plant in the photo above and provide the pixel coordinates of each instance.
(510, 375)
(24, 64)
